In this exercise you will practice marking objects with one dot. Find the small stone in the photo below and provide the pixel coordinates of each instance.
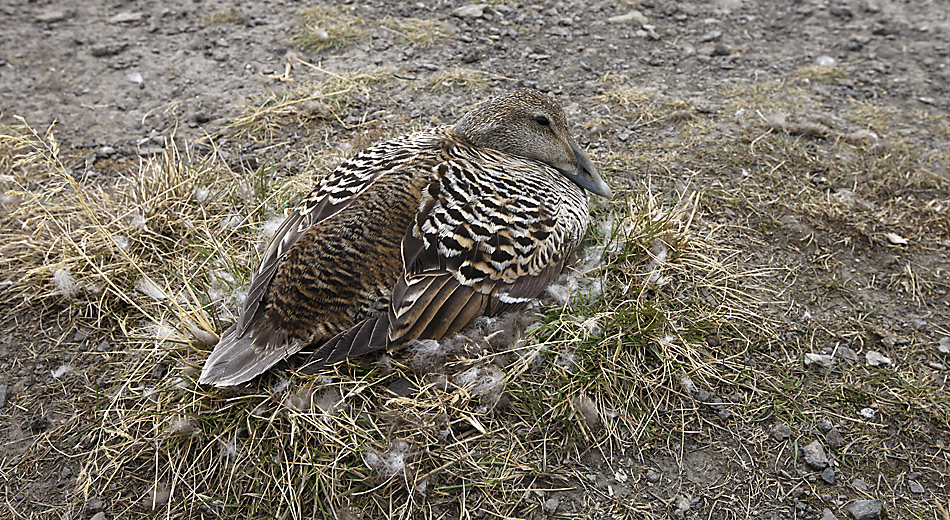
(943, 346)
(876, 359)
(859, 484)
(633, 16)
(865, 509)
(104, 152)
(725, 415)
(681, 503)
(98, 516)
(65, 473)
(937, 366)
(103, 346)
(36, 425)
(834, 438)
(711, 36)
(126, 17)
(825, 425)
(470, 11)
(826, 514)
(828, 475)
(825, 61)
(889, 341)
(895, 239)
(551, 504)
(846, 354)
(136, 78)
(781, 431)
(819, 360)
(93, 506)
(867, 413)
(52, 16)
(915, 487)
(815, 455)
(103, 50)
(653, 476)
(4, 393)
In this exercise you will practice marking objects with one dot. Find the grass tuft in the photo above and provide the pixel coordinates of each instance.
(328, 27)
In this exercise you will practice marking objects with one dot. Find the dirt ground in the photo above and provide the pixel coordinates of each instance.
(816, 132)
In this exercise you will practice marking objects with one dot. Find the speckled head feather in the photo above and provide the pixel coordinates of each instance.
(529, 123)
(415, 238)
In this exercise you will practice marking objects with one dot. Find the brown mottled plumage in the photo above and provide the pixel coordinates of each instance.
(415, 238)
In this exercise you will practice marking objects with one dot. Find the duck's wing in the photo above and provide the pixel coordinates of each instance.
(241, 355)
(484, 242)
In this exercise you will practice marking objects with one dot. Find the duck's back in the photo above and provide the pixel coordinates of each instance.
(333, 261)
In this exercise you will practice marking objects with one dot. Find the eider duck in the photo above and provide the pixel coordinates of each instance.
(415, 238)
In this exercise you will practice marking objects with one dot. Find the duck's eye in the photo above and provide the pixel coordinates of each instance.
(543, 121)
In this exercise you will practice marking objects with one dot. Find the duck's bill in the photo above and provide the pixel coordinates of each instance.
(586, 176)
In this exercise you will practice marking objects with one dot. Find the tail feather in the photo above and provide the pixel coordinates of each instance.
(237, 360)
(366, 336)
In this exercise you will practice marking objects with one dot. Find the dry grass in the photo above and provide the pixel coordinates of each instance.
(306, 108)
(673, 341)
(596, 371)
(459, 78)
(326, 27)
(422, 33)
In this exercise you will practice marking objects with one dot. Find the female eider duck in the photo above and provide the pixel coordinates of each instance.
(415, 238)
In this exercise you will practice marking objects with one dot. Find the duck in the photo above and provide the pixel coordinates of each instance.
(415, 238)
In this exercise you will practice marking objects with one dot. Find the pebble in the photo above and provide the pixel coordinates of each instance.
(4, 392)
(653, 476)
(828, 475)
(825, 425)
(98, 516)
(632, 16)
(915, 487)
(846, 354)
(104, 152)
(551, 504)
(36, 425)
(470, 11)
(834, 439)
(821, 360)
(711, 36)
(136, 78)
(876, 359)
(781, 431)
(52, 16)
(826, 514)
(943, 346)
(937, 366)
(93, 506)
(104, 50)
(681, 504)
(867, 413)
(825, 61)
(859, 484)
(126, 17)
(815, 455)
(865, 509)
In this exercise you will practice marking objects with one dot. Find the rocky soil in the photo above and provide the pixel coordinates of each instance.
(123, 79)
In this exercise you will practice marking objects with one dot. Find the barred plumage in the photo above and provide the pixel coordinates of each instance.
(415, 238)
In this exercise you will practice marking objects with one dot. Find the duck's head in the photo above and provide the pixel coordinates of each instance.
(528, 123)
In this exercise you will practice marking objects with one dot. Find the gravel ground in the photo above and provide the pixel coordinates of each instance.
(121, 79)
